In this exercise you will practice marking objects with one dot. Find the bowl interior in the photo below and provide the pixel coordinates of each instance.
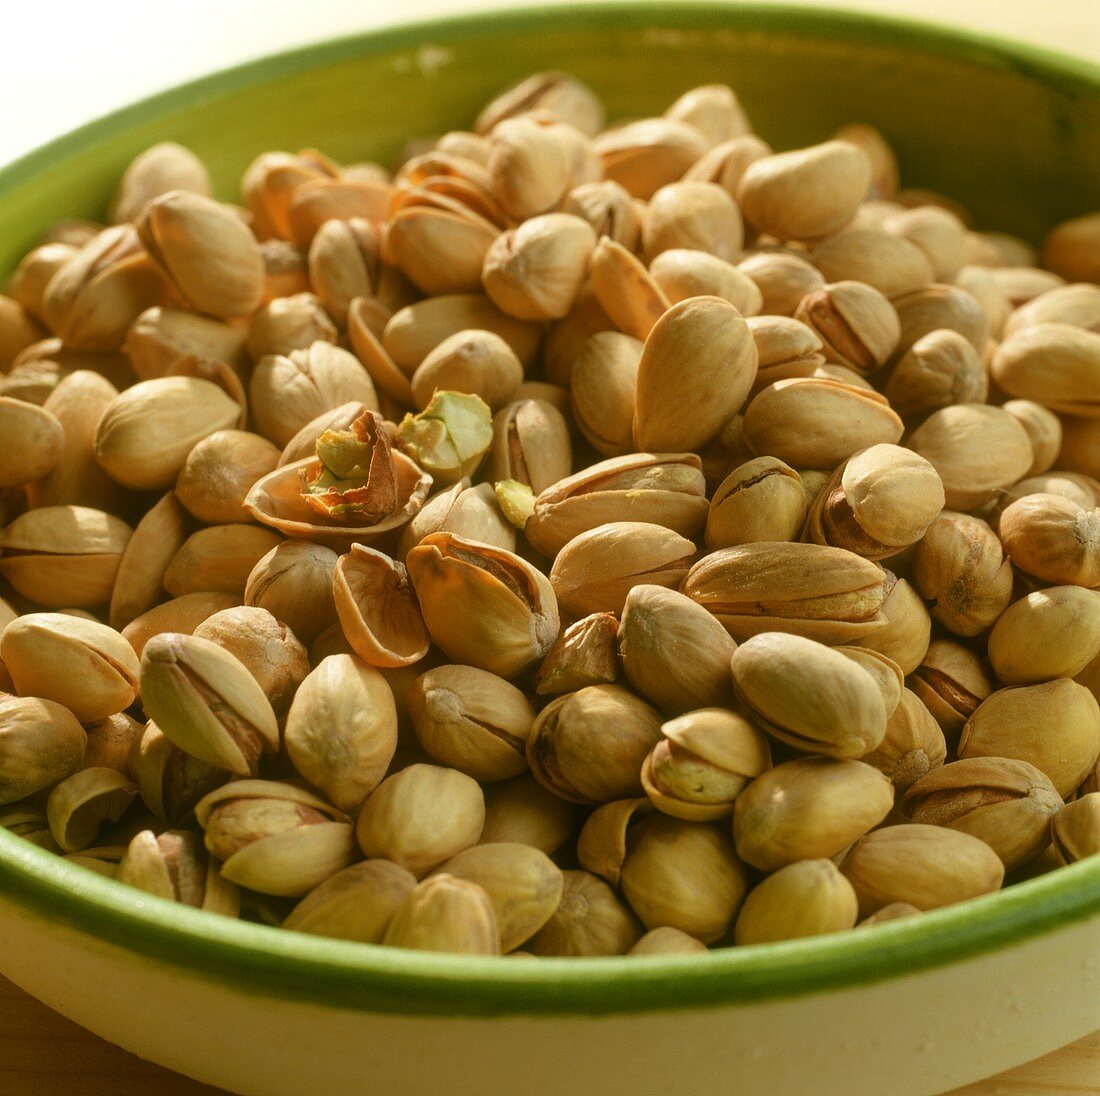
(1013, 133)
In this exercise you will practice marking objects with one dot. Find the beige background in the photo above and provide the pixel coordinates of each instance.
(64, 63)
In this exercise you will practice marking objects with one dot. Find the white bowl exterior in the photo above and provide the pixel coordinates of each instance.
(915, 1035)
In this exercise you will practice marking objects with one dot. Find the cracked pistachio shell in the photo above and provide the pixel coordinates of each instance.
(760, 500)
(827, 594)
(206, 251)
(1045, 635)
(596, 570)
(682, 273)
(207, 702)
(471, 720)
(474, 513)
(602, 844)
(174, 865)
(438, 243)
(914, 744)
(609, 209)
(1052, 539)
(524, 885)
(645, 155)
(40, 743)
(884, 163)
(377, 608)
(856, 323)
(304, 443)
(535, 271)
(181, 614)
(807, 898)
(147, 431)
(878, 502)
(1075, 829)
(294, 582)
(477, 362)
(704, 761)
(1007, 804)
(666, 489)
(785, 348)
(666, 940)
(690, 214)
(658, 626)
(924, 866)
(809, 695)
(483, 606)
(356, 903)
(940, 369)
(685, 875)
(1055, 363)
(584, 654)
(82, 664)
(341, 730)
(275, 838)
(588, 746)
(806, 809)
(33, 440)
(624, 289)
(892, 265)
(806, 193)
(63, 556)
(960, 570)
(1054, 726)
(169, 781)
(604, 381)
(445, 914)
(83, 802)
(521, 810)
(531, 445)
(951, 681)
(218, 559)
(815, 422)
(590, 920)
(421, 816)
(702, 350)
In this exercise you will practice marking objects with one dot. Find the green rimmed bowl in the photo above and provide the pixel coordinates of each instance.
(912, 1008)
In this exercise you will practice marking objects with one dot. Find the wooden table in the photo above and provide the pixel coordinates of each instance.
(43, 1054)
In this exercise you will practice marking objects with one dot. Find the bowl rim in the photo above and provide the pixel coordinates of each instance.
(368, 978)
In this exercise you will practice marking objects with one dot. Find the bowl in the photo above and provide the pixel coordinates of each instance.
(912, 1008)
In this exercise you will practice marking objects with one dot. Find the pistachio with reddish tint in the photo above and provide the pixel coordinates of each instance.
(702, 350)
(584, 654)
(588, 746)
(596, 570)
(377, 608)
(274, 838)
(657, 626)
(658, 489)
(341, 730)
(855, 322)
(760, 500)
(703, 762)
(207, 702)
(471, 720)
(483, 606)
(1007, 804)
(421, 816)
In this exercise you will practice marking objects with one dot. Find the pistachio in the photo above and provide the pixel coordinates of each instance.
(725, 163)
(609, 209)
(476, 362)
(1078, 305)
(181, 614)
(521, 810)
(18, 328)
(81, 803)
(531, 445)
(1054, 726)
(683, 273)
(914, 744)
(714, 110)
(174, 865)
(82, 664)
(421, 816)
(644, 156)
(471, 720)
(666, 940)
(1045, 635)
(783, 279)
(1053, 539)
(977, 450)
(1007, 804)
(41, 743)
(702, 350)
(892, 265)
(806, 193)
(483, 606)
(567, 336)
(939, 307)
(685, 875)
(529, 168)
(697, 215)
(1055, 363)
(551, 93)
(893, 912)
(169, 781)
(1070, 248)
(159, 169)
(474, 513)
(294, 582)
(938, 232)
(208, 254)
(207, 702)
(823, 593)
(218, 558)
(1069, 485)
(584, 654)
(981, 284)
(345, 264)
(219, 472)
(760, 500)
(921, 865)
(33, 442)
(940, 369)
(274, 838)
(1075, 829)
(596, 570)
(658, 626)
(289, 323)
(1022, 284)
(143, 439)
(589, 920)
(318, 201)
(162, 338)
(855, 322)
(29, 824)
(951, 681)
(703, 762)
(1044, 431)
(588, 746)
(1080, 450)
(110, 741)
(356, 903)
(604, 382)
(629, 297)
(450, 437)
(807, 898)
(364, 335)
(285, 269)
(666, 490)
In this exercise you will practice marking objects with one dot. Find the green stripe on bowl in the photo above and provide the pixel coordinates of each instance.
(1011, 130)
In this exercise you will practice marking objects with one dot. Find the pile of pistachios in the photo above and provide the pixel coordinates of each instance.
(580, 541)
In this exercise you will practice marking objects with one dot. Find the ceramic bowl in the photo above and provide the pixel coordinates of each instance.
(912, 1008)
